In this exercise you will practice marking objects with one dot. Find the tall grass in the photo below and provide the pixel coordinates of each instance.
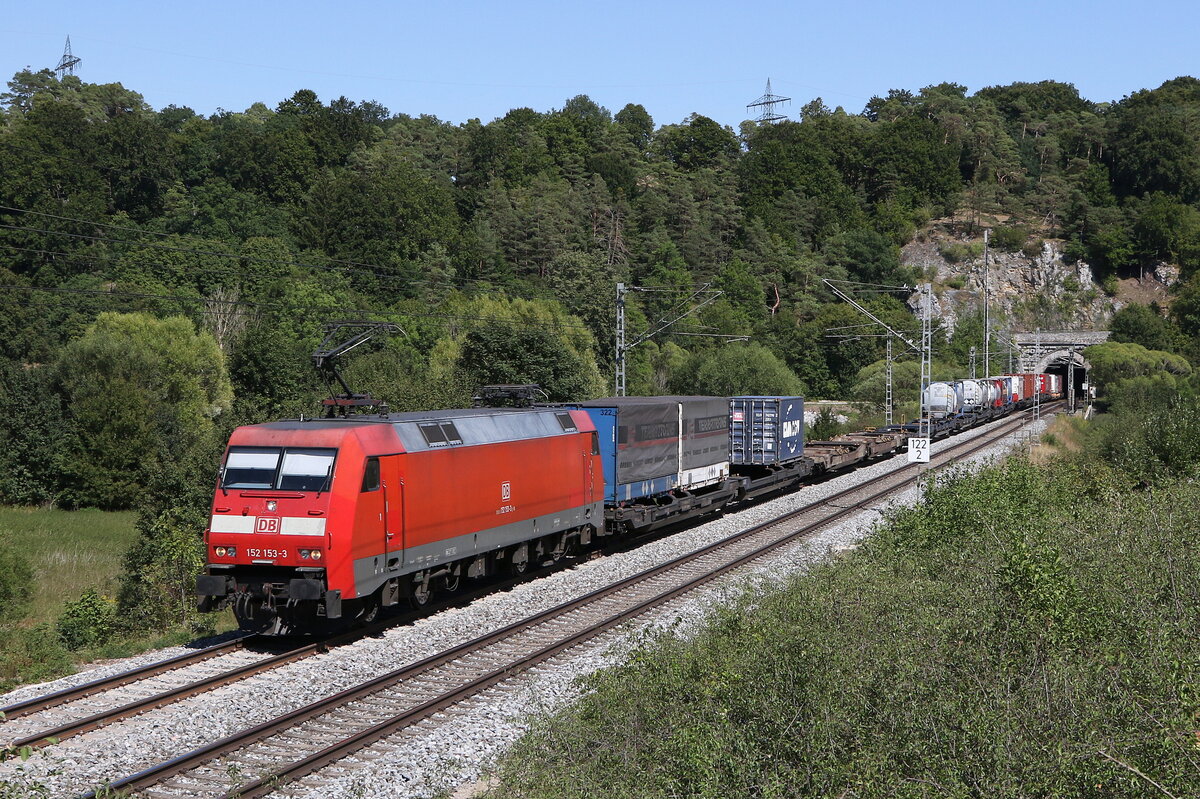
(1025, 633)
(70, 552)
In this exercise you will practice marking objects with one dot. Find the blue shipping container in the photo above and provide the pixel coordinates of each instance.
(765, 430)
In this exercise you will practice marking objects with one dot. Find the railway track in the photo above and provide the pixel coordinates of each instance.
(45, 720)
(259, 760)
(96, 704)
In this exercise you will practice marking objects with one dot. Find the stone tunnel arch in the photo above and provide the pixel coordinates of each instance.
(1059, 362)
(1059, 352)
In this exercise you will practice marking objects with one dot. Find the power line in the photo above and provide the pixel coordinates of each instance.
(358, 264)
(273, 306)
(193, 251)
(35, 151)
(394, 279)
(89, 259)
(339, 266)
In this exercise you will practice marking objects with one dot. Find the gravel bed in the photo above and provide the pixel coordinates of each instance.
(454, 753)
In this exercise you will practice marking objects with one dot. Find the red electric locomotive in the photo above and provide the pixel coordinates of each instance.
(319, 520)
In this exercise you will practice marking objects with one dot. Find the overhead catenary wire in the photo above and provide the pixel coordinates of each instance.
(88, 259)
(193, 251)
(358, 265)
(273, 306)
(335, 266)
(85, 257)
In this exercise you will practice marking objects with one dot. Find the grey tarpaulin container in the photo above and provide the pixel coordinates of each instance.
(652, 445)
(765, 430)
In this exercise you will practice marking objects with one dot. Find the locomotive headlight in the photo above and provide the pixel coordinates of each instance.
(304, 553)
(310, 554)
(219, 552)
(316, 554)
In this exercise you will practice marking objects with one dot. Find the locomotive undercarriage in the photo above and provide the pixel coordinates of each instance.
(282, 601)
(275, 600)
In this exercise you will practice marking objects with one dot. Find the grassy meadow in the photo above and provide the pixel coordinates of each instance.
(70, 552)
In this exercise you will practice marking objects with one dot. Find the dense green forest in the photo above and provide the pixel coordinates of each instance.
(166, 275)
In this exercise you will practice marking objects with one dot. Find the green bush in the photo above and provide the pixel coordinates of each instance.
(956, 252)
(1033, 249)
(1006, 639)
(825, 426)
(1009, 238)
(88, 621)
(1153, 436)
(30, 655)
(16, 580)
(160, 570)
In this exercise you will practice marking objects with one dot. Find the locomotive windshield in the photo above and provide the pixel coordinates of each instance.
(306, 469)
(291, 469)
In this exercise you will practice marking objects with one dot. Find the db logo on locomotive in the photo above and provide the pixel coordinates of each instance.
(266, 524)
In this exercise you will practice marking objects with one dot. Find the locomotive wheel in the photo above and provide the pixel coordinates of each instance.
(555, 547)
(422, 592)
(369, 612)
(519, 560)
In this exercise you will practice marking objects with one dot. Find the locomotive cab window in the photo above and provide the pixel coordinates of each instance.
(251, 467)
(306, 469)
(267, 468)
(371, 475)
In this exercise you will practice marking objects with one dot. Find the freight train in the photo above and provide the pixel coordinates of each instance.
(317, 522)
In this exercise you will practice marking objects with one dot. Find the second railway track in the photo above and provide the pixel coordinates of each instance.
(257, 761)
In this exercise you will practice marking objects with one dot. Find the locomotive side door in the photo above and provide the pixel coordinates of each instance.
(590, 493)
(372, 510)
(393, 529)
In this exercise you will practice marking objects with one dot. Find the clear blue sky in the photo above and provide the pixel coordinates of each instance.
(458, 60)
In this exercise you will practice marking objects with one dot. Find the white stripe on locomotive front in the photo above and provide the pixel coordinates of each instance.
(288, 525)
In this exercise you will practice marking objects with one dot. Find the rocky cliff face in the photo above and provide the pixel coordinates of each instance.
(1027, 290)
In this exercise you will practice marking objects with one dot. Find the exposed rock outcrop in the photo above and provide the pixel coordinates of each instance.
(1025, 290)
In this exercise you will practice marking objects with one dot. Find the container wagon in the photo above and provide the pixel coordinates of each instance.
(665, 459)
(766, 441)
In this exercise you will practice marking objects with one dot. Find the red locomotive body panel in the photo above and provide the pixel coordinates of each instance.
(269, 527)
(339, 508)
(505, 482)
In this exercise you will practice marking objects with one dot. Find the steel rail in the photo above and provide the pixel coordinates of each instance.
(46, 701)
(260, 787)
